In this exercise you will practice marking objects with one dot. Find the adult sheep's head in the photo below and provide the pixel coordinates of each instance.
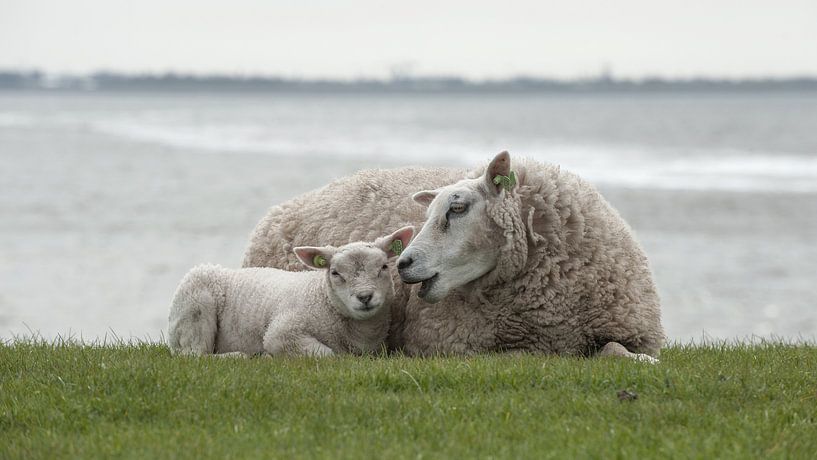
(460, 241)
(358, 273)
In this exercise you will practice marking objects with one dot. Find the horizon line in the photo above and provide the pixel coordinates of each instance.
(603, 75)
(602, 83)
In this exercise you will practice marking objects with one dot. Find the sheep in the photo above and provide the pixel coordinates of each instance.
(535, 262)
(341, 307)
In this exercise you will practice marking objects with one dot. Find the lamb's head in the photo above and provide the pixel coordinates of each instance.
(358, 276)
(459, 242)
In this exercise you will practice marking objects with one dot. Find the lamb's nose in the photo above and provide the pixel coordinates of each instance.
(364, 298)
(404, 262)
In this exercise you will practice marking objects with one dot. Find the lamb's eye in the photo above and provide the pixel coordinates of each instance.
(335, 274)
(458, 208)
(384, 267)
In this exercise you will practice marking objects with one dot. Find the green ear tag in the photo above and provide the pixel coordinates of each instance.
(396, 247)
(507, 182)
(319, 261)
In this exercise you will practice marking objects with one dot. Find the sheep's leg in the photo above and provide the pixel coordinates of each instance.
(617, 349)
(231, 354)
(294, 343)
(311, 346)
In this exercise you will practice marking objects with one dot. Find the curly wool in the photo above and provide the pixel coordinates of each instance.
(570, 277)
(251, 311)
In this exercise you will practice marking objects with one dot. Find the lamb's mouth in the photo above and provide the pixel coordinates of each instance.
(428, 283)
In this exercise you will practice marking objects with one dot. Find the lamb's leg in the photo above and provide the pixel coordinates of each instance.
(294, 343)
(310, 346)
(232, 354)
(617, 349)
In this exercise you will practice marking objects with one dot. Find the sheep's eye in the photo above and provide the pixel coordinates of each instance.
(334, 273)
(384, 267)
(458, 208)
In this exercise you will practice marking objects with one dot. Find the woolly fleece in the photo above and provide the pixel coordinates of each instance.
(570, 279)
(267, 311)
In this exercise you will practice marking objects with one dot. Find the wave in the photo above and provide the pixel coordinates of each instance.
(15, 120)
(631, 166)
(690, 169)
(614, 165)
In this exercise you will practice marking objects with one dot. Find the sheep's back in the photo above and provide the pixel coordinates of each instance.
(361, 207)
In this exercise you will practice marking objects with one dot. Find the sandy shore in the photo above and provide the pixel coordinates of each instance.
(95, 237)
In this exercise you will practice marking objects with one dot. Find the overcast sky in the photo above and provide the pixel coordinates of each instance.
(476, 39)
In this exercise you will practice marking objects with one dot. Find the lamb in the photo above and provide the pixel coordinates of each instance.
(533, 261)
(341, 307)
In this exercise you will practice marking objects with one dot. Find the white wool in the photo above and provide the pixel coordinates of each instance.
(569, 277)
(343, 308)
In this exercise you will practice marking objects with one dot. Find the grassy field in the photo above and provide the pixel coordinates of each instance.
(137, 401)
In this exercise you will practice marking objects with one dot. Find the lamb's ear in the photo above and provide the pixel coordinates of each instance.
(498, 174)
(425, 197)
(313, 257)
(394, 244)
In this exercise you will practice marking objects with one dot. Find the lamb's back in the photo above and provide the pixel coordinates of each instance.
(253, 297)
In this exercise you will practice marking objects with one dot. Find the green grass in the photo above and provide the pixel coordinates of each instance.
(137, 401)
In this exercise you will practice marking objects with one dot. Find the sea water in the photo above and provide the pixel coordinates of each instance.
(108, 197)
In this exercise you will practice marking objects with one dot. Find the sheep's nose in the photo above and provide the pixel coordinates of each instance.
(404, 262)
(364, 298)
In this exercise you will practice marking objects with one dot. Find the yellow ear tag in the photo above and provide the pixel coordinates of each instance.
(396, 247)
(319, 261)
(507, 182)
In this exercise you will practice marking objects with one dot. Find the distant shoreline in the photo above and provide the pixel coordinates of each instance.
(112, 82)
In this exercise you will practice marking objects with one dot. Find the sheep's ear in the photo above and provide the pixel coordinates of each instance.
(425, 197)
(394, 244)
(498, 174)
(313, 257)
